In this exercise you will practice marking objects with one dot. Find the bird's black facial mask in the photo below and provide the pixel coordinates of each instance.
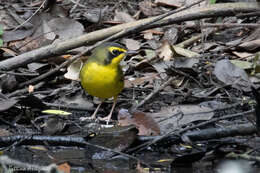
(115, 55)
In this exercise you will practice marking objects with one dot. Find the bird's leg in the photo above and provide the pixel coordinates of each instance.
(108, 118)
(93, 116)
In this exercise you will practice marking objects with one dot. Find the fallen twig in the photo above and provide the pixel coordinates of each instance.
(194, 39)
(27, 20)
(152, 94)
(221, 25)
(25, 90)
(220, 132)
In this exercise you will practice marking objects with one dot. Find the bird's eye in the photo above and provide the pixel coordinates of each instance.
(115, 52)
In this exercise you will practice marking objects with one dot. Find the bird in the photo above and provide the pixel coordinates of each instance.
(102, 76)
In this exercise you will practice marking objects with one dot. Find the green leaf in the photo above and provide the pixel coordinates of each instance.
(256, 64)
(1, 42)
(1, 30)
(56, 112)
(213, 1)
(150, 53)
(242, 64)
(184, 52)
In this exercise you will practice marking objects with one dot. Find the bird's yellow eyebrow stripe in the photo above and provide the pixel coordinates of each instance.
(116, 48)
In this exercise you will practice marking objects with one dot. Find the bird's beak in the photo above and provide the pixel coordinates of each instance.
(131, 52)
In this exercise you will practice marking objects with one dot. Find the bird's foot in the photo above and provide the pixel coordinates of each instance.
(88, 118)
(107, 119)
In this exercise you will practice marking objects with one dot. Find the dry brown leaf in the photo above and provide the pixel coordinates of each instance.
(9, 51)
(53, 126)
(148, 78)
(17, 34)
(29, 44)
(110, 22)
(144, 123)
(49, 34)
(153, 31)
(31, 89)
(145, 66)
(132, 44)
(65, 28)
(251, 45)
(242, 54)
(5, 132)
(73, 70)
(165, 51)
(65, 167)
(58, 10)
(172, 35)
(66, 56)
(34, 4)
(169, 3)
(123, 17)
(231, 74)
(51, 30)
(172, 117)
(148, 8)
(148, 36)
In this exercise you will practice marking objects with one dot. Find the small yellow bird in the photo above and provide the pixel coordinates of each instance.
(102, 76)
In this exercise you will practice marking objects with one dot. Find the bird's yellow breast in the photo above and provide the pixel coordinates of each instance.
(102, 81)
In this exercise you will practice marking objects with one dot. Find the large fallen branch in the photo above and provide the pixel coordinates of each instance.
(221, 132)
(226, 9)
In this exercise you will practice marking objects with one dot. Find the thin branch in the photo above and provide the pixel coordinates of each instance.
(30, 16)
(25, 90)
(165, 84)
